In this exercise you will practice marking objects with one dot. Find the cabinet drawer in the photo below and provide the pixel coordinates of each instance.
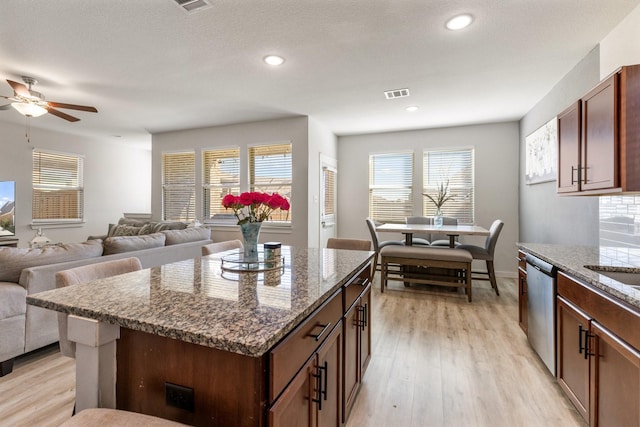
(288, 357)
(356, 287)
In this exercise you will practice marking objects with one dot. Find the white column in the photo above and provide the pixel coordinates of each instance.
(95, 362)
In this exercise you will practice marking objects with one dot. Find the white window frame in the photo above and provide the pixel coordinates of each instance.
(384, 169)
(186, 185)
(460, 179)
(59, 179)
(329, 176)
(284, 185)
(230, 186)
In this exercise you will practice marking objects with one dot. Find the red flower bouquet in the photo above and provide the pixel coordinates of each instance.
(253, 206)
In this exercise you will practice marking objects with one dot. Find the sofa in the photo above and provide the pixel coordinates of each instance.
(24, 328)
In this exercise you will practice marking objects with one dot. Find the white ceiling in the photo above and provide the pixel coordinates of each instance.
(148, 66)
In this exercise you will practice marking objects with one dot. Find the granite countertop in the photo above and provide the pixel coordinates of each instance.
(574, 259)
(196, 301)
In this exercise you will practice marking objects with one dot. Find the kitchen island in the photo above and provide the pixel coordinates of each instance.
(204, 346)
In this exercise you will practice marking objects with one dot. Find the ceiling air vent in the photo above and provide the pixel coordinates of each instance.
(192, 6)
(396, 93)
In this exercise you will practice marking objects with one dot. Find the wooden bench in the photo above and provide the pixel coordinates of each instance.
(437, 266)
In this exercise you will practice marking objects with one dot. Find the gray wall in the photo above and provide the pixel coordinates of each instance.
(294, 130)
(546, 217)
(117, 179)
(496, 178)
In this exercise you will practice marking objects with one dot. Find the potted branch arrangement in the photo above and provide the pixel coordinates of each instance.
(439, 200)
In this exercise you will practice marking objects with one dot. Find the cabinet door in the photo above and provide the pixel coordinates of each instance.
(295, 406)
(365, 332)
(569, 149)
(329, 381)
(523, 315)
(351, 359)
(573, 362)
(615, 380)
(600, 143)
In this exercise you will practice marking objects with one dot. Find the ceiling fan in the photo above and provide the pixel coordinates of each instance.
(32, 104)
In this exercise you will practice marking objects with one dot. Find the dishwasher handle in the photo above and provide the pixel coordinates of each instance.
(541, 266)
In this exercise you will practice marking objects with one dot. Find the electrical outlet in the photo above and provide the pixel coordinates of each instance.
(179, 396)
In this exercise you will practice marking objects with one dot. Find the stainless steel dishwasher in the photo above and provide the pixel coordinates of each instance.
(541, 295)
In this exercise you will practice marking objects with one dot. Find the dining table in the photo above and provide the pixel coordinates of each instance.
(452, 231)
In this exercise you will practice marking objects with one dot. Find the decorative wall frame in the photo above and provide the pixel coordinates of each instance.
(542, 154)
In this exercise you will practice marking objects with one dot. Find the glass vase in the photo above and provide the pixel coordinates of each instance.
(250, 233)
(437, 219)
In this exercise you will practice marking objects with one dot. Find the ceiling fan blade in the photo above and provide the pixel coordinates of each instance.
(73, 107)
(19, 88)
(5, 107)
(62, 115)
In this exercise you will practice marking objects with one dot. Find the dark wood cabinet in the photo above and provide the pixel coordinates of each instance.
(314, 396)
(357, 347)
(598, 360)
(523, 314)
(573, 362)
(598, 138)
(615, 380)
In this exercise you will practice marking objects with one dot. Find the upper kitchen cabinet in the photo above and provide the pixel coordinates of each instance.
(599, 138)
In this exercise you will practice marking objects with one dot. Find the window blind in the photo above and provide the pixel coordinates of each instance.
(271, 171)
(455, 169)
(220, 176)
(328, 214)
(178, 186)
(391, 186)
(58, 187)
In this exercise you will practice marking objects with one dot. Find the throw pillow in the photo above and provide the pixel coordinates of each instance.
(14, 260)
(119, 244)
(126, 230)
(194, 234)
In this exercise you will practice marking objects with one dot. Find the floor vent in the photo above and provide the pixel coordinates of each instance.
(192, 6)
(396, 93)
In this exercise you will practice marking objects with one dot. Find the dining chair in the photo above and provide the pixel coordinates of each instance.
(214, 248)
(420, 239)
(352, 244)
(377, 244)
(486, 253)
(443, 239)
(84, 274)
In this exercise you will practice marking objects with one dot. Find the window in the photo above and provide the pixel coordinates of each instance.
(390, 186)
(220, 176)
(455, 169)
(58, 187)
(270, 171)
(178, 186)
(328, 206)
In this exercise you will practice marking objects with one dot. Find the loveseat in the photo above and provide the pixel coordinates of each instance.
(24, 328)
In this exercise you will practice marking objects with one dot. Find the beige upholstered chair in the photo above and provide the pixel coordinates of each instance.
(353, 244)
(420, 239)
(101, 417)
(443, 239)
(84, 274)
(486, 253)
(214, 248)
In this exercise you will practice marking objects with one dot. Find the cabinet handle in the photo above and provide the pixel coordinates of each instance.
(324, 329)
(584, 347)
(573, 169)
(361, 281)
(362, 317)
(318, 378)
(324, 369)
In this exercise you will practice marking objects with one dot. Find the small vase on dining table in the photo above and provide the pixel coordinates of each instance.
(250, 233)
(437, 219)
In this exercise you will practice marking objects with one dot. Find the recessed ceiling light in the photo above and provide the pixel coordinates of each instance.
(412, 108)
(459, 22)
(274, 60)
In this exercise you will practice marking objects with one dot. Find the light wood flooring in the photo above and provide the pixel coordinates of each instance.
(437, 361)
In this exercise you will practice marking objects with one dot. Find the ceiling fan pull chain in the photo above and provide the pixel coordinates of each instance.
(28, 130)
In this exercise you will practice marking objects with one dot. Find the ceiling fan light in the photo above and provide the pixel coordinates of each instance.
(28, 109)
